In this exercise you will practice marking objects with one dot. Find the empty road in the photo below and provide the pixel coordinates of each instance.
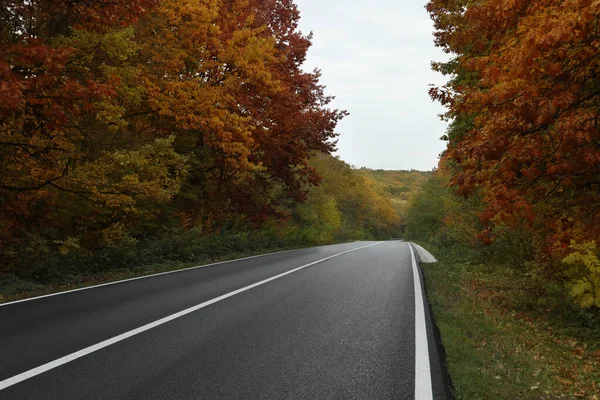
(331, 322)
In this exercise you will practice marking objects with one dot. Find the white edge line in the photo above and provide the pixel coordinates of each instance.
(98, 346)
(148, 276)
(423, 389)
(142, 277)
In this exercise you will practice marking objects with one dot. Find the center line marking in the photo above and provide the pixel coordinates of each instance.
(98, 346)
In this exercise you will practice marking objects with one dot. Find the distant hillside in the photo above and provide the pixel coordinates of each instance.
(399, 186)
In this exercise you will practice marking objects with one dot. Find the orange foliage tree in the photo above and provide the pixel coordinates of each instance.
(60, 133)
(127, 111)
(525, 99)
(227, 77)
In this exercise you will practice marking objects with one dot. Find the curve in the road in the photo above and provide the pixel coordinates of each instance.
(28, 317)
(91, 349)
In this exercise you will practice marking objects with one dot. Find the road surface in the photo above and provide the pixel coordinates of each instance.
(331, 322)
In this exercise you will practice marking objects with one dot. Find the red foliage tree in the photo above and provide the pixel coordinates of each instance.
(528, 80)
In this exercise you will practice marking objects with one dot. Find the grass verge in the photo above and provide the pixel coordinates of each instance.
(14, 288)
(508, 336)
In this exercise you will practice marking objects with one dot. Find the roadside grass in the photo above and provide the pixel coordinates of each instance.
(44, 270)
(13, 287)
(510, 336)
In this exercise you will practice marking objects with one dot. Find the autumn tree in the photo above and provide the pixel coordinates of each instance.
(524, 99)
(230, 83)
(365, 213)
(533, 146)
(145, 113)
(64, 141)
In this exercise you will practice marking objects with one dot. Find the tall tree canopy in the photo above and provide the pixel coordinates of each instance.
(129, 110)
(524, 97)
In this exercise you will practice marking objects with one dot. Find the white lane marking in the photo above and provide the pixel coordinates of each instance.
(146, 276)
(142, 277)
(423, 390)
(73, 356)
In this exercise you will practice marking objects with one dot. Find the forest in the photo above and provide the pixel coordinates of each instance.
(522, 164)
(181, 131)
(512, 212)
(167, 133)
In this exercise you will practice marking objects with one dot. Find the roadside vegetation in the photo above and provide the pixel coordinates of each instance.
(511, 325)
(344, 206)
(507, 337)
(512, 212)
(141, 136)
(510, 329)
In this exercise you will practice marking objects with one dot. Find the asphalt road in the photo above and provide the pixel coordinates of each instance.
(339, 328)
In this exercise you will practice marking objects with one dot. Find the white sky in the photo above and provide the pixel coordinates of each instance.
(375, 59)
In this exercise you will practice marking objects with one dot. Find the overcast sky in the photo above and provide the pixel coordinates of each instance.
(375, 59)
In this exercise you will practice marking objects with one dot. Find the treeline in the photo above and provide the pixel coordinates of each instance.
(344, 206)
(523, 155)
(401, 187)
(149, 131)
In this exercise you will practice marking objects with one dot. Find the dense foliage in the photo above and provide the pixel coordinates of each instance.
(121, 117)
(523, 99)
(162, 131)
(399, 186)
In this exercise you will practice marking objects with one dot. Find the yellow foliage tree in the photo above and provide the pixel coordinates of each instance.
(585, 267)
